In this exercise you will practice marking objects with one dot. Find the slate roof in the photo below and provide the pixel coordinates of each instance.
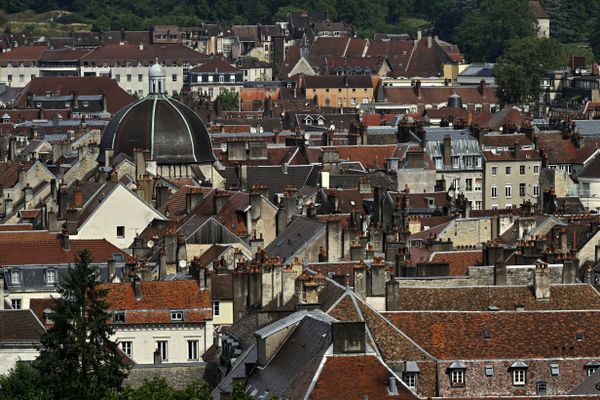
(559, 150)
(591, 170)
(514, 335)
(588, 127)
(480, 298)
(115, 53)
(158, 299)
(294, 238)
(19, 326)
(335, 81)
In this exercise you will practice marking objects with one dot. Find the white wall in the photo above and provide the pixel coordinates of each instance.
(9, 357)
(144, 341)
(120, 208)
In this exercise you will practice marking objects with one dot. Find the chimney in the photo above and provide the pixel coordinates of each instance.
(12, 148)
(419, 35)
(500, 272)
(64, 240)
(162, 195)
(104, 101)
(564, 243)
(137, 287)
(378, 277)
(28, 196)
(62, 200)
(569, 272)
(481, 88)
(348, 337)
(360, 279)
(77, 196)
(334, 240)
(162, 265)
(193, 198)
(171, 246)
(8, 206)
(447, 151)
(392, 388)
(541, 281)
(75, 96)
(220, 198)
(139, 158)
(255, 202)
(71, 221)
(52, 222)
(417, 88)
(429, 42)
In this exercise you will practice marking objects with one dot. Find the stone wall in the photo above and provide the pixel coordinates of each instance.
(468, 231)
(178, 376)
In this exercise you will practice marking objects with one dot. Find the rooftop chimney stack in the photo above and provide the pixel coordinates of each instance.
(541, 281)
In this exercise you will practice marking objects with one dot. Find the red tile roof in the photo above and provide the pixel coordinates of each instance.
(458, 261)
(440, 94)
(147, 54)
(514, 335)
(42, 247)
(505, 140)
(524, 155)
(216, 65)
(356, 377)
(16, 227)
(158, 299)
(22, 53)
(370, 156)
(9, 172)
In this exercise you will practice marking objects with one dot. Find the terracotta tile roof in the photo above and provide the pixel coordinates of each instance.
(22, 53)
(440, 94)
(431, 232)
(9, 172)
(356, 377)
(15, 227)
(377, 119)
(538, 10)
(524, 155)
(514, 335)
(216, 65)
(42, 247)
(505, 140)
(158, 299)
(557, 149)
(116, 98)
(19, 325)
(329, 46)
(38, 306)
(458, 261)
(370, 156)
(112, 53)
(419, 254)
(480, 298)
(63, 55)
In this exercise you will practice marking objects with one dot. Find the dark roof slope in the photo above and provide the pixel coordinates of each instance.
(19, 326)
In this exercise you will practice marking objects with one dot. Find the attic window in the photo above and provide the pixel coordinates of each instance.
(118, 257)
(177, 315)
(519, 307)
(554, 369)
(487, 334)
(119, 316)
(489, 370)
(579, 336)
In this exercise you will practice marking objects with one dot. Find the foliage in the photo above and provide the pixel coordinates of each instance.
(77, 359)
(230, 100)
(23, 383)
(595, 38)
(159, 389)
(484, 34)
(572, 20)
(519, 70)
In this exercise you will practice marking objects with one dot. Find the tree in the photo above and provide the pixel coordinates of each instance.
(595, 38)
(519, 70)
(159, 389)
(23, 383)
(484, 34)
(77, 359)
(230, 100)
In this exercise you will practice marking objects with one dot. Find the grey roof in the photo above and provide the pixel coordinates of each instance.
(590, 386)
(519, 364)
(591, 170)
(291, 320)
(457, 365)
(289, 374)
(294, 238)
(588, 127)
(18, 326)
(33, 276)
(479, 70)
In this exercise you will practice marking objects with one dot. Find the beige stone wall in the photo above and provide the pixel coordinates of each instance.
(468, 231)
(501, 180)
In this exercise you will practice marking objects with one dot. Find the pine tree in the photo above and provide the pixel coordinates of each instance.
(77, 359)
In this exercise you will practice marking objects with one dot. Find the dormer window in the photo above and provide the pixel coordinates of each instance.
(50, 277)
(411, 375)
(119, 316)
(519, 373)
(15, 277)
(177, 315)
(592, 367)
(457, 374)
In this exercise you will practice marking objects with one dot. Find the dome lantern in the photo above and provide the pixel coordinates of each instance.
(156, 77)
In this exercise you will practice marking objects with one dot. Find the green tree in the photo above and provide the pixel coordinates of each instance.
(230, 100)
(484, 34)
(77, 359)
(519, 70)
(159, 389)
(595, 38)
(23, 383)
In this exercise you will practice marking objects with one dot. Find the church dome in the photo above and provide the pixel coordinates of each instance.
(168, 129)
(172, 132)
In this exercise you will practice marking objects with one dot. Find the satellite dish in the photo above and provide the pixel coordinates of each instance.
(182, 263)
(150, 243)
(332, 127)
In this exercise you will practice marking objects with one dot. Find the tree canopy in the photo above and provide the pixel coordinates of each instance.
(519, 70)
(78, 360)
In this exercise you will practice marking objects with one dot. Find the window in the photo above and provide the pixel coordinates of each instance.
(127, 348)
(119, 316)
(457, 377)
(590, 367)
(554, 369)
(192, 349)
(221, 78)
(494, 171)
(519, 376)
(536, 169)
(21, 78)
(411, 380)
(50, 277)
(438, 163)
(118, 77)
(174, 77)
(468, 184)
(522, 189)
(162, 347)
(15, 278)
(128, 77)
(455, 162)
(489, 370)
(120, 231)
(522, 170)
(210, 78)
(478, 162)
(494, 192)
(353, 100)
(232, 78)
(508, 170)
(9, 78)
(508, 191)
(216, 308)
(15, 304)
(140, 78)
(542, 388)
(536, 190)
(469, 162)
(32, 76)
(140, 93)
(365, 100)
(177, 315)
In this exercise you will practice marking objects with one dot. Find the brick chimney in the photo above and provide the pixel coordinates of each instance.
(417, 88)
(77, 196)
(447, 151)
(481, 88)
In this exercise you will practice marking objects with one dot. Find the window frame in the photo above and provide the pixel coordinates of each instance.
(119, 228)
(19, 302)
(410, 379)
(162, 346)
(49, 272)
(216, 306)
(519, 376)
(193, 346)
(494, 171)
(457, 377)
(176, 315)
(126, 347)
(508, 170)
(494, 191)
